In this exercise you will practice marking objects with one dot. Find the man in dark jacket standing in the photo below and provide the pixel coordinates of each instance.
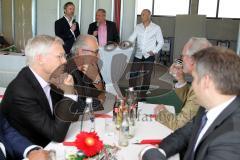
(105, 31)
(67, 28)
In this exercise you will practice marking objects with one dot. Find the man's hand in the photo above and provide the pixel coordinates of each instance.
(151, 53)
(177, 72)
(64, 82)
(91, 71)
(38, 155)
(159, 108)
(73, 27)
(95, 33)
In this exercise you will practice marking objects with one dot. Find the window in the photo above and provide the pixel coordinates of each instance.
(225, 9)
(207, 7)
(229, 9)
(144, 4)
(164, 7)
(171, 7)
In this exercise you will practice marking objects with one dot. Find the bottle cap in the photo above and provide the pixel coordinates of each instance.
(88, 100)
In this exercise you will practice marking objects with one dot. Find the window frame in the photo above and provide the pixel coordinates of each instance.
(217, 12)
(153, 3)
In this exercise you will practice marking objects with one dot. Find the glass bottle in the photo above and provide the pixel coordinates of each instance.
(88, 116)
(124, 131)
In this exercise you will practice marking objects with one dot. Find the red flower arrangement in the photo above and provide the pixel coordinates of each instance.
(89, 143)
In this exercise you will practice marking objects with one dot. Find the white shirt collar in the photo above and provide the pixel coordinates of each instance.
(69, 21)
(150, 24)
(42, 82)
(213, 113)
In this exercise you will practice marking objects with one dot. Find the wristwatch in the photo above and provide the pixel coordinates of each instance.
(97, 81)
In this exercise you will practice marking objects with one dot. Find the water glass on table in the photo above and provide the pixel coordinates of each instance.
(109, 127)
(177, 65)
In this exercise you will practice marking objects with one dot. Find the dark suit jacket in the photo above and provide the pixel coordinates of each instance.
(221, 141)
(84, 85)
(62, 30)
(14, 143)
(27, 109)
(112, 33)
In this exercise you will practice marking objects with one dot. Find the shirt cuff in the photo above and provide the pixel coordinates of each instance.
(30, 148)
(180, 85)
(71, 96)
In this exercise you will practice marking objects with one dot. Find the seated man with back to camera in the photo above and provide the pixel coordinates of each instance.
(183, 90)
(214, 132)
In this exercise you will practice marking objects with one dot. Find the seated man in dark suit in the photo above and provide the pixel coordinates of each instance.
(85, 70)
(83, 66)
(105, 31)
(30, 104)
(14, 146)
(67, 28)
(214, 132)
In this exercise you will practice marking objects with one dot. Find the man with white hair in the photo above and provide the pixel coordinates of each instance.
(183, 90)
(29, 102)
(83, 66)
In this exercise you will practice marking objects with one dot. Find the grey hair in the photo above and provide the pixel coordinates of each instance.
(195, 44)
(40, 45)
(81, 42)
(222, 65)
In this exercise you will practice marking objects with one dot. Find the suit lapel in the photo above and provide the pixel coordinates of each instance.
(108, 30)
(66, 22)
(224, 115)
(38, 89)
(193, 138)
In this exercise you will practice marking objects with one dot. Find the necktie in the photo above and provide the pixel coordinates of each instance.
(2, 157)
(47, 92)
(203, 123)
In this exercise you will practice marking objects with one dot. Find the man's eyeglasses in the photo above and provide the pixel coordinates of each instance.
(63, 56)
(95, 52)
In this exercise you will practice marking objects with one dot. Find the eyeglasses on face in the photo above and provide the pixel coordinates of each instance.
(95, 52)
(63, 56)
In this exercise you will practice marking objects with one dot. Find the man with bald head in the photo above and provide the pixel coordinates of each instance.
(84, 67)
(149, 42)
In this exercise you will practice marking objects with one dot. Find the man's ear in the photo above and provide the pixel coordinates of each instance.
(39, 58)
(207, 81)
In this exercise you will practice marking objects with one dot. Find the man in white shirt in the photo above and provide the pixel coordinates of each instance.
(214, 133)
(149, 42)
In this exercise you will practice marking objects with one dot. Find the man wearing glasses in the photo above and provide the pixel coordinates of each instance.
(84, 68)
(30, 104)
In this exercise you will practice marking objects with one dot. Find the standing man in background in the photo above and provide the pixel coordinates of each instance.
(105, 31)
(149, 42)
(67, 28)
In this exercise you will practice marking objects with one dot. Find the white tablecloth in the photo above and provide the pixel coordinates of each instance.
(146, 128)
